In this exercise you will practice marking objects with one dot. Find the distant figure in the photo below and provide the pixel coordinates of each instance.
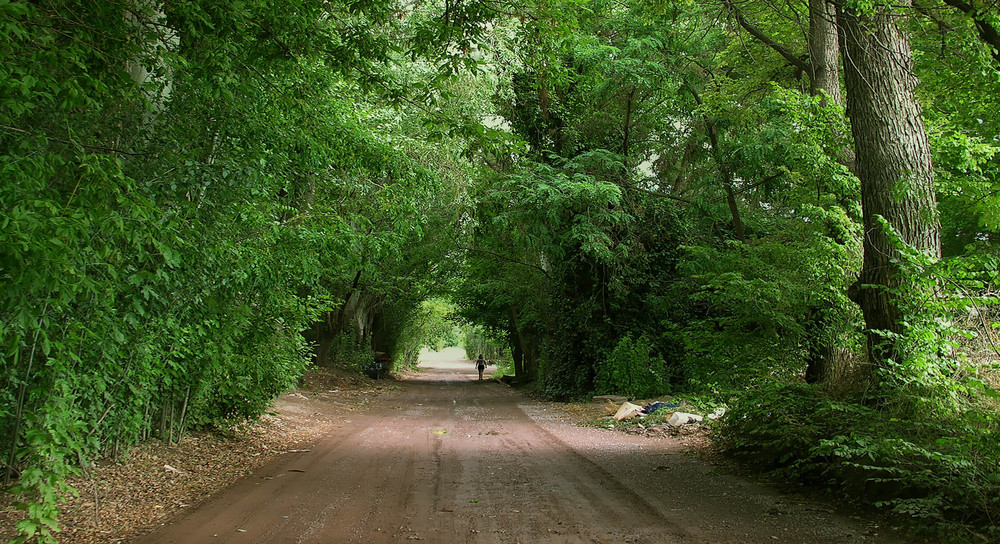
(377, 369)
(480, 366)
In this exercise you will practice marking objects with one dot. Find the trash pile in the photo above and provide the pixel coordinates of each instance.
(629, 411)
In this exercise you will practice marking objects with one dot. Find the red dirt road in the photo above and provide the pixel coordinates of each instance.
(451, 459)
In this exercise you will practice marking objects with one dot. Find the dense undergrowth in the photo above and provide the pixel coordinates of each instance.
(934, 470)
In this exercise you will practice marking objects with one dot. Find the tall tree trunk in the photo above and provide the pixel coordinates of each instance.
(531, 358)
(324, 332)
(734, 209)
(822, 68)
(825, 43)
(824, 80)
(824, 50)
(679, 186)
(628, 122)
(893, 164)
(517, 354)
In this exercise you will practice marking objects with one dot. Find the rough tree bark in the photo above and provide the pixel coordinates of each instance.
(893, 164)
(824, 50)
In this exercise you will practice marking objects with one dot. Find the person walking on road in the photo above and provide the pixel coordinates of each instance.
(480, 366)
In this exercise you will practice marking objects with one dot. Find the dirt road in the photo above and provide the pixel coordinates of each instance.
(451, 459)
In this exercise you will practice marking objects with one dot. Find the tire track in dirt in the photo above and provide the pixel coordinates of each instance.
(451, 459)
(531, 471)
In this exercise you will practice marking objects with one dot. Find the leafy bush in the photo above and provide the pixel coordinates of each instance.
(940, 472)
(632, 369)
(348, 353)
(503, 368)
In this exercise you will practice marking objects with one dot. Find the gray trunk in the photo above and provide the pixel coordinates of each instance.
(893, 164)
(824, 50)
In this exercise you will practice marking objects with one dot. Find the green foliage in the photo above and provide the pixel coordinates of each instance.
(439, 330)
(617, 228)
(350, 354)
(475, 342)
(634, 199)
(937, 470)
(55, 443)
(503, 368)
(749, 307)
(676, 185)
(187, 187)
(633, 369)
(427, 323)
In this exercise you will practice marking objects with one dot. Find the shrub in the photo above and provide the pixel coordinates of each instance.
(939, 471)
(632, 369)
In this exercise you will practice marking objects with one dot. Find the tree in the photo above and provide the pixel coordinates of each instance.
(893, 164)
(187, 186)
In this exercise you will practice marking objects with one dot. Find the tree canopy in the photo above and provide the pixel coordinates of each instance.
(775, 206)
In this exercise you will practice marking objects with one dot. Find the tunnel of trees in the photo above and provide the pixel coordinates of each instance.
(786, 208)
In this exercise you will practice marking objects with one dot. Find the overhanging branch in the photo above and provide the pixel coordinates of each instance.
(505, 258)
(792, 59)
